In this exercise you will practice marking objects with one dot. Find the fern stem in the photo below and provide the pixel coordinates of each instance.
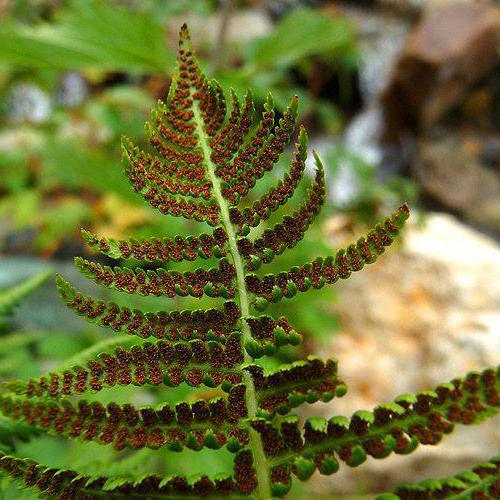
(261, 466)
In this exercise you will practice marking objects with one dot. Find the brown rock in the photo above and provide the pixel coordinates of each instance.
(454, 45)
(449, 171)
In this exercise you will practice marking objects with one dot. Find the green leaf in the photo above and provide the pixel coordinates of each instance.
(11, 297)
(91, 34)
(12, 432)
(303, 33)
(480, 482)
(146, 485)
(201, 151)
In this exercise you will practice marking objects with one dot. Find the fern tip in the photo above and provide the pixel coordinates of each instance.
(317, 160)
(184, 38)
(405, 208)
(401, 215)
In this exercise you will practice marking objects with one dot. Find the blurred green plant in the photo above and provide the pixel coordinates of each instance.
(268, 62)
(369, 197)
(58, 171)
(88, 35)
(301, 34)
(12, 296)
(67, 162)
(15, 354)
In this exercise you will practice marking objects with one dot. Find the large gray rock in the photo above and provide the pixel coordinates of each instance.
(416, 318)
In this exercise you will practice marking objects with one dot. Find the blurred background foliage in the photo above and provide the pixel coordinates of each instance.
(77, 75)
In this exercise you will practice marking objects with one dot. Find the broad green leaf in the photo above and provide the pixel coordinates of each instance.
(91, 34)
(304, 33)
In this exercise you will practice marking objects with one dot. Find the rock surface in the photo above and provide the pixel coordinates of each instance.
(453, 47)
(449, 170)
(418, 317)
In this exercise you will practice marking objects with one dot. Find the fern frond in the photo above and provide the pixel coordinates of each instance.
(215, 282)
(256, 161)
(482, 481)
(228, 171)
(268, 335)
(395, 427)
(277, 195)
(11, 297)
(177, 206)
(146, 172)
(273, 288)
(202, 161)
(226, 143)
(67, 483)
(213, 424)
(210, 324)
(287, 233)
(300, 382)
(105, 345)
(175, 163)
(155, 249)
(195, 363)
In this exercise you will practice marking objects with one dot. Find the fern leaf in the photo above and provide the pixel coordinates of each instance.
(277, 195)
(165, 181)
(287, 233)
(396, 427)
(67, 483)
(202, 161)
(182, 165)
(256, 161)
(213, 424)
(195, 363)
(148, 173)
(12, 296)
(211, 324)
(291, 385)
(273, 288)
(482, 481)
(226, 143)
(155, 249)
(179, 207)
(105, 345)
(215, 282)
(268, 335)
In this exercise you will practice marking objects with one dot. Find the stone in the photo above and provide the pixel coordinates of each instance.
(449, 170)
(453, 46)
(417, 317)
